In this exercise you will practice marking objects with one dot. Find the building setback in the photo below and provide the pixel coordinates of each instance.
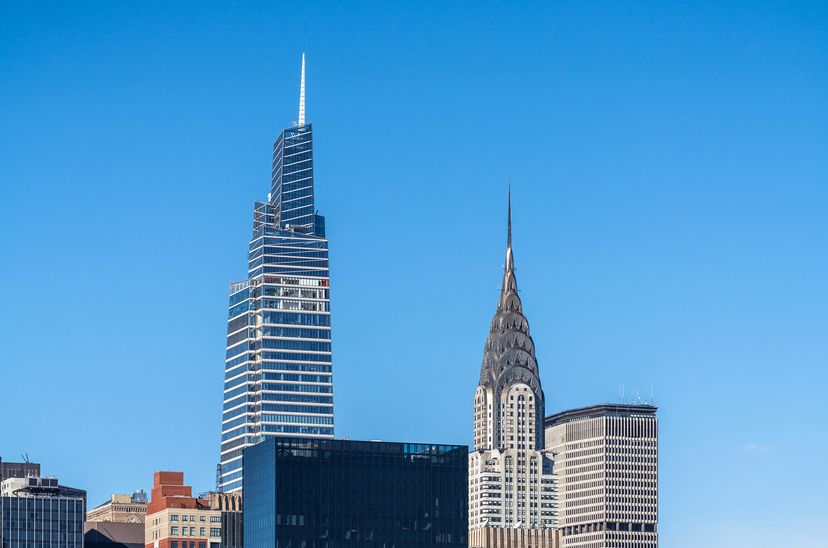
(511, 486)
(606, 463)
(39, 512)
(278, 378)
(177, 519)
(318, 493)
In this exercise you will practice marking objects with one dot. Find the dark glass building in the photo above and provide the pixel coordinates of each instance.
(322, 493)
(277, 376)
(37, 512)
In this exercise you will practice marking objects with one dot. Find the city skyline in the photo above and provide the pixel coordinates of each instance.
(668, 185)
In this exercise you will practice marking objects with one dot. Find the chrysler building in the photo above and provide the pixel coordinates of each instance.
(511, 486)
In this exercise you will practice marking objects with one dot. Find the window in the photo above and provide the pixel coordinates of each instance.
(215, 519)
(174, 544)
(192, 531)
(202, 532)
(174, 517)
(173, 530)
(215, 532)
(192, 518)
(201, 518)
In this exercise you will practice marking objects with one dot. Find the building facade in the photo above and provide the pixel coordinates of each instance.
(511, 481)
(18, 470)
(121, 508)
(177, 519)
(319, 493)
(278, 370)
(606, 463)
(232, 519)
(39, 512)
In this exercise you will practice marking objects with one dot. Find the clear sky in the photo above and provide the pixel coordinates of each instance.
(669, 166)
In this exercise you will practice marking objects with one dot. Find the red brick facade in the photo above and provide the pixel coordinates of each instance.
(168, 495)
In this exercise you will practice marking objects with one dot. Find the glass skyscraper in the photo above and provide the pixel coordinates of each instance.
(277, 377)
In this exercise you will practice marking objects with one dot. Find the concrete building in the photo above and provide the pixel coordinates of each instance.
(121, 508)
(176, 519)
(511, 484)
(232, 518)
(36, 511)
(606, 464)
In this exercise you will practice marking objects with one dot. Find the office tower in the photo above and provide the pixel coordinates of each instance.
(322, 493)
(36, 511)
(177, 519)
(18, 470)
(278, 370)
(121, 508)
(606, 462)
(511, 486)
(232, 520)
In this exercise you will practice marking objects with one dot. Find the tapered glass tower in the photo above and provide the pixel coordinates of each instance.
(277, 377)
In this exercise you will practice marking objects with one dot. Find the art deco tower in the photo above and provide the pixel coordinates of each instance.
(511, 487)
(278, 364)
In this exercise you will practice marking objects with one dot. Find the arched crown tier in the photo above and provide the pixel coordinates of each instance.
(509, 353)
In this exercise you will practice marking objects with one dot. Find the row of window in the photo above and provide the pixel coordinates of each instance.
(191, 531)
(304, 419)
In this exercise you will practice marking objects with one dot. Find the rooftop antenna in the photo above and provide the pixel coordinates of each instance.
(25, 457)
(302, 94)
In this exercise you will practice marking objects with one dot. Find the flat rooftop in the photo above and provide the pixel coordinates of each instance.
(601, 410)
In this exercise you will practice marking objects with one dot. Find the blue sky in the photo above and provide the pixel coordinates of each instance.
(670, 185)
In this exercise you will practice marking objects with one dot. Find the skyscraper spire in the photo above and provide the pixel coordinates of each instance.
(302, 94)
(510, 262)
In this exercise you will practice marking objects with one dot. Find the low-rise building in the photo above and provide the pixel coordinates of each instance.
(36, 511)
(122, 508)
(177, 519)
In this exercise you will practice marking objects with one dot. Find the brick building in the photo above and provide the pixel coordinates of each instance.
(177, 519)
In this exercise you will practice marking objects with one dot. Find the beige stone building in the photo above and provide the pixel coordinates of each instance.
(177, 519)
(606, 465)
(511, 486)
(121, 509)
